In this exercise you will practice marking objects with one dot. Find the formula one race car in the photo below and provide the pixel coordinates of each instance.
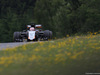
(33, 33)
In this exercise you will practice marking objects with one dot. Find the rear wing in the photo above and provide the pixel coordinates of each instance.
(38, 26)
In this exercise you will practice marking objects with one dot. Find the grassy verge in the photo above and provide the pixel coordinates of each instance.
(68, 56)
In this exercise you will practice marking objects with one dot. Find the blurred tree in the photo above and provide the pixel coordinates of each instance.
(14, 15)
(61, 16)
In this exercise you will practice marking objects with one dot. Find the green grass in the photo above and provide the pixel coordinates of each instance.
(68, 56)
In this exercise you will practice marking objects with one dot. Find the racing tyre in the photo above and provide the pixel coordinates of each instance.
(46, 34)
(17, 36)
(50, 37)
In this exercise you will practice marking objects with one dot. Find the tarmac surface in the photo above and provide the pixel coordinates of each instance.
(12, 44)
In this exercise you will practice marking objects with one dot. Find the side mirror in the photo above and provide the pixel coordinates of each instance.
(38, 26)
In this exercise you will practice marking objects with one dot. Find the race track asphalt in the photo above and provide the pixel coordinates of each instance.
(12, 44)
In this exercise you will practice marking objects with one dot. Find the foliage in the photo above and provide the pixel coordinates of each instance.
(14, 15)
(60, 16)
(69, 17)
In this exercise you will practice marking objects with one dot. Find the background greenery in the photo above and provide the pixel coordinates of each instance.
(61, 16)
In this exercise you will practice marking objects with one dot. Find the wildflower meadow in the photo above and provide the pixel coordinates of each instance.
(76, 55)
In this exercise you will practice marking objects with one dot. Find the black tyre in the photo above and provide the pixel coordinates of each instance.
(46, 34)
(17, 36)
(50, 35)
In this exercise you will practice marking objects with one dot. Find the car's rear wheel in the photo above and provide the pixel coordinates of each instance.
(47, 34)
(50, 35)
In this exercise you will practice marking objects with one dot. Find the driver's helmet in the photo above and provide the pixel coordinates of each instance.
(33, 25)
(32, 29)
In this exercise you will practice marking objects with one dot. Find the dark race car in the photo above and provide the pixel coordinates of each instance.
(33, 33)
